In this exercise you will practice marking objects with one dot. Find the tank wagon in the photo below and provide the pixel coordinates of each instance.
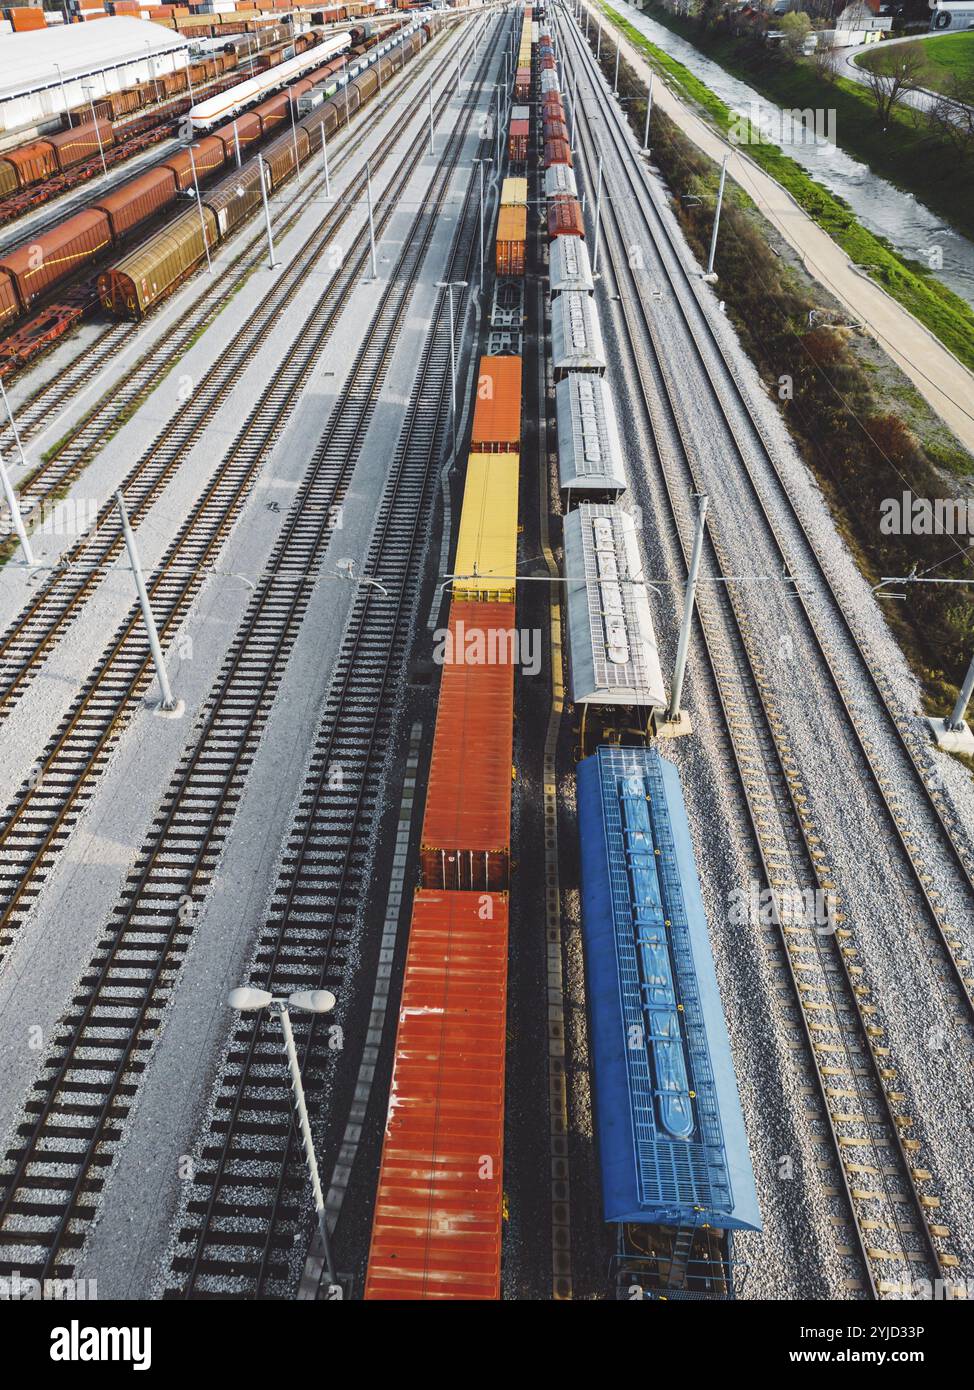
(677, 1181)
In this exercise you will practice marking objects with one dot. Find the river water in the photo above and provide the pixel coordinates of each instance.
(909, 226)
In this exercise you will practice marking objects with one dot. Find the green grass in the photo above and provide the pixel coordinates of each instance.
(927, 298)
(947, 55)
(907, 155)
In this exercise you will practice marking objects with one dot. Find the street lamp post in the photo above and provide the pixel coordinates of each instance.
(313, 1001)
(64, 95)
(368, 188)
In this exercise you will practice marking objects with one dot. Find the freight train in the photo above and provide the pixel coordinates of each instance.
(676, 1175)
(439, 1205)
(151, 272)
(30, 271)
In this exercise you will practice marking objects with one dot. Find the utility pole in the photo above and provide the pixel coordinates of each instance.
(294, 137)
(236, 143)
(713, 238)
(432, 148)
(571, 144)
(649, 107)
(168, 705)
(673, 713)
(368, 188)
(267, 211)
(324, 159)
(615, 84)
(13, 422)
(15, 515)
(199, 208)
(91, 102)
(598, 221)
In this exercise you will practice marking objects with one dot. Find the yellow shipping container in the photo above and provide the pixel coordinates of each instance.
(487, 546)
(514, 193)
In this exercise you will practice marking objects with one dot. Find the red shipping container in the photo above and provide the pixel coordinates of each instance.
(436, 1232)
(517, 143)
(565, 218)
(557, 152)
(552, 107)
(555, 130)
(467, 824)
(138, 199)
(57, 254)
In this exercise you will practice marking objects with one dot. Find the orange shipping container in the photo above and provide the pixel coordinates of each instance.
(512, 230)
(437, 1228)
(467, 823)
(24, 19)
(497, 414)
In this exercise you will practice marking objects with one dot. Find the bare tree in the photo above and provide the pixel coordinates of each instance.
(826, 61)
(952, 115)
(891, 74)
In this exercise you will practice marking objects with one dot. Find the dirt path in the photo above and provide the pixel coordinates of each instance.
(943, 381)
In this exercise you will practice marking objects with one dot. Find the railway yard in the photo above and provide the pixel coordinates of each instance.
(406, 892)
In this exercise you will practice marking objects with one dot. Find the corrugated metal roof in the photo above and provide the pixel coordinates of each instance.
(466, 832)
(672, 1143)
(487, 544)
(514, 193)
(589, 449)
(569, 266)
(512, 224)
(27, 60)
(438, 1208)
(559, 181)
(576, 334)
(612, 645)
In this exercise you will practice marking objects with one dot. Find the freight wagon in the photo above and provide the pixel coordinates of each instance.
(497, 412)
(512, 230)
(436, 1233)
(151, 272)
(517, 142)
(466, 834)
(676, 1175)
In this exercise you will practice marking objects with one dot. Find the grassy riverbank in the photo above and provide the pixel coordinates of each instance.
(944, 313)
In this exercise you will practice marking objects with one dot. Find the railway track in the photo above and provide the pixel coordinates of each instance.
(39, 820)
(82, 442)
(882, 1177)
(129, 982)
(244, 1231)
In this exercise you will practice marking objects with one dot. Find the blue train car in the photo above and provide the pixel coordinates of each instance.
(676, 1172)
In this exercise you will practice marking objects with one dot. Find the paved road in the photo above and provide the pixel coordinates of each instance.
(943, 381)
(922, 99)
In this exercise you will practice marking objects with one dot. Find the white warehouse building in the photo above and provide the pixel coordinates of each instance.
(43, 72)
